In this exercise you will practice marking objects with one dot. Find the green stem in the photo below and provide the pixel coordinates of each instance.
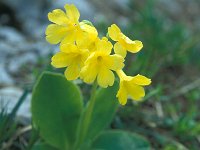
(87, 115)
(92, 101)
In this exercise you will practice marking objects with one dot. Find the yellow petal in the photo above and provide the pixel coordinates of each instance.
(104, 46)
(89, 73)
(119, 49)
(72, 72)
(83, 42)
(141, 80)
(70, 37)
(114, 62)
(131, 46)
(83, 39)
(90, 31)
(57, 16)
(105, 77)
(114, 32)
(135, 91)
(122, 95)
(60, 60)
(91, 58)
(55, 33)
(68, 48)
(72, 13)
(84, 55)
(92, 47)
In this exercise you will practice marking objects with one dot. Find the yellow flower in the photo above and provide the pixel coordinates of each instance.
(131, 86)
(100, 63)
(92, 46)
(70, 56)
(66, 27)
(123, 44)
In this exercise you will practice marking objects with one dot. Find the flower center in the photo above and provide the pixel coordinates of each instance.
(99, 58)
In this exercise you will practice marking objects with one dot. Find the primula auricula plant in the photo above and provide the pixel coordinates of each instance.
(58, 110)
(90, 58)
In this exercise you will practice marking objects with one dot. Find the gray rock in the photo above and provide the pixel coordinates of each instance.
(9, 96)
(23, 59)
(10, 34)
(10, 38)
(5, 78)
(5, 49)
(31, 14)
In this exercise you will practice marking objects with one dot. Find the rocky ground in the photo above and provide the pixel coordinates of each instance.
(22, 36)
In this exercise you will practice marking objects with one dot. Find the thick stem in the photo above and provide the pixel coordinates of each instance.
(86, 118)
(90, 108)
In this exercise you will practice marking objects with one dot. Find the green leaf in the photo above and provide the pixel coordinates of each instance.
(104, 109)
(56, 109)
(42, 146)
(120, 140)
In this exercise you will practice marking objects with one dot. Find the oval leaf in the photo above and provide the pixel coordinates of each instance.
(120, 140)
(56, 108)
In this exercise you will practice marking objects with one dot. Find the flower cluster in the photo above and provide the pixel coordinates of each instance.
(90, 58)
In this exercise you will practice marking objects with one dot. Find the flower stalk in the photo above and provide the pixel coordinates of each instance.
(87, 115)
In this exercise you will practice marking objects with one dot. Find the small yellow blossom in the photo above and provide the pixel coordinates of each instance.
(131, 86)
(66, 27)
(100, 63)
(92, 46)
(123, 44)
(71, 56)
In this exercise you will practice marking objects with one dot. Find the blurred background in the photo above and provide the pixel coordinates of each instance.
(169, 117)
